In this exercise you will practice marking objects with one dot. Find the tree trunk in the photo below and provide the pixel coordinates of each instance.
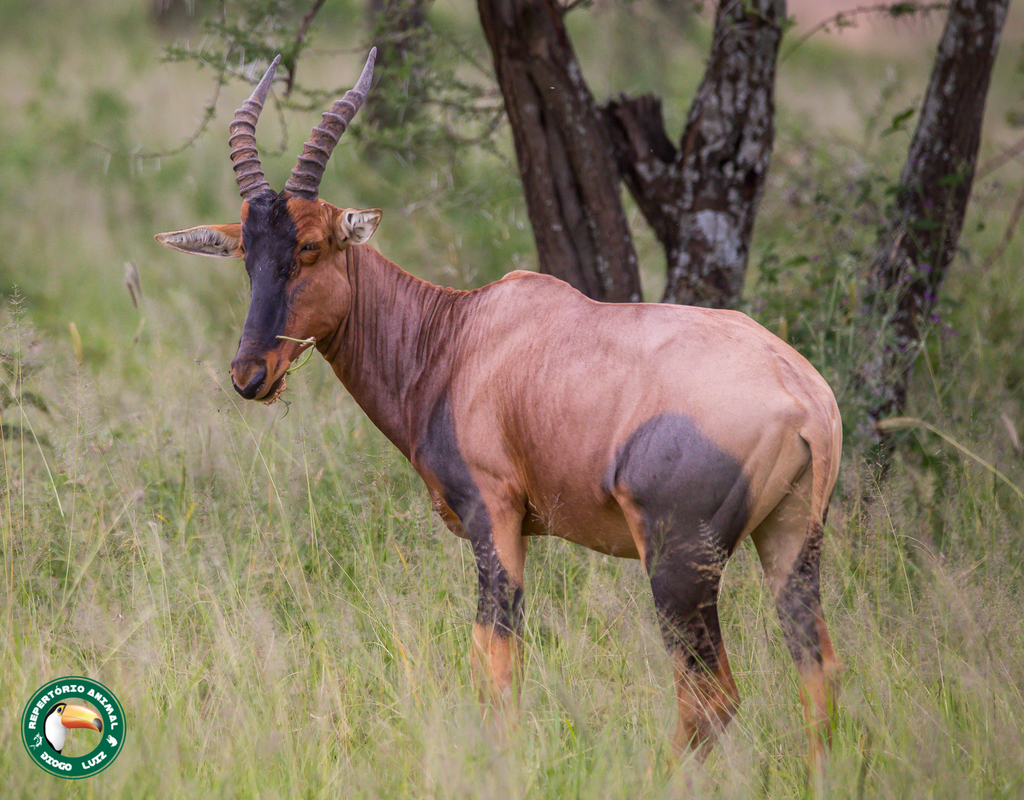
(701, 199)
(934, 187)
(563, 149)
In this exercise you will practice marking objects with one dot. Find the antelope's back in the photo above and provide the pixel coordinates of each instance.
(560, 356)
(563, 382)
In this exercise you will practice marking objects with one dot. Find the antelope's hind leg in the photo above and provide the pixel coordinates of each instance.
(789, 544)
(686, 598)
(685, 501)
(685, 578)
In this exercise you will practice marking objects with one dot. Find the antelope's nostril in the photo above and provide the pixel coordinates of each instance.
(253, 386)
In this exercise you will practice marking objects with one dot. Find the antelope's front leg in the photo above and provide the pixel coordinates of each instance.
(500, 552)
(476, 503)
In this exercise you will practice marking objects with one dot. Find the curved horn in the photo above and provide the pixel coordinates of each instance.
(242, 139)
(305, 179)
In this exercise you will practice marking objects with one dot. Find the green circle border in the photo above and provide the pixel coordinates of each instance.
(77, 763)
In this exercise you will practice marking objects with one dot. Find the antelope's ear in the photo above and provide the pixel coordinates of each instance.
(206, 240)
(354, 226)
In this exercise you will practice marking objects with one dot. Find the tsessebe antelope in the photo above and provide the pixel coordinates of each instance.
(657, 432)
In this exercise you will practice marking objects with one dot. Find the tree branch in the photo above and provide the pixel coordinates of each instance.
(299, 39)
(846, 19)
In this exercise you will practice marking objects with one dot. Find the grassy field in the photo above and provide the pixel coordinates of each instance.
(267, 590)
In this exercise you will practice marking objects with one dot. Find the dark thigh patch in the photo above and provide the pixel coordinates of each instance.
(694, 504)
(684, 483)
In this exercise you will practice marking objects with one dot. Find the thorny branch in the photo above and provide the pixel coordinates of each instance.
(996, 162)
(223, 70)
(299, 39)
(845, 19)
(1011, 226)
(209, 112)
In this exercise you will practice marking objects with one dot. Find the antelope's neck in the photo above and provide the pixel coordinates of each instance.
(396, 349)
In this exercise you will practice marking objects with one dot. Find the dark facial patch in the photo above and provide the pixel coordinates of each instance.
(270, 236)
(500, 601)
(693, 499)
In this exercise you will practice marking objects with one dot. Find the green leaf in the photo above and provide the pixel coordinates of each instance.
(899, 120)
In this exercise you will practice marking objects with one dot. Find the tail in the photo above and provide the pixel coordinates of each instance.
(825, 440)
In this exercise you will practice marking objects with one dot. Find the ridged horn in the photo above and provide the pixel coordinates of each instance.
(305, 179)
(242, 139)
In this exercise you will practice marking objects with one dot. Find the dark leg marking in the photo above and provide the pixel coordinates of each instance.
(799, 602)
(501, 599)
(693, 498)
(500, 603)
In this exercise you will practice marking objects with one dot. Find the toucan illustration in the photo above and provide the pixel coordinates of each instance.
(63, 716)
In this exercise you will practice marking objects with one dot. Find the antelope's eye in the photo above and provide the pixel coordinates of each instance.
(308, 248)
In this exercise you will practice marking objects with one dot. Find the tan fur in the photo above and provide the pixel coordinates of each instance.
(706, 704)
(498, 664)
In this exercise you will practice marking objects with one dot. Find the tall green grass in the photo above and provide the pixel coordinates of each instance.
(280, 613)
(267, 590)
